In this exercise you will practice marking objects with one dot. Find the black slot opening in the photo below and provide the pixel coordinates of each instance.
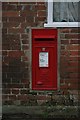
(44, 39)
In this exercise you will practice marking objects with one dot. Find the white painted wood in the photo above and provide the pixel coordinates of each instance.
(62, 24)
(50, 12)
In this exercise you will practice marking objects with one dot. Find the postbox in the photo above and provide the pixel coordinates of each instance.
(44, 59)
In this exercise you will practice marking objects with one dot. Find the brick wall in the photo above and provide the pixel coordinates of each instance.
(69, 62)
(18, 18)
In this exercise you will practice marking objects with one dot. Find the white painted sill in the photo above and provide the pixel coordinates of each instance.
(62, 24)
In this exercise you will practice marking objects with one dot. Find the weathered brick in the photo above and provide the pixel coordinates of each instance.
(40, 18)
(9, 7)
(74, 75)
(24, 36)
(43, 97)
(11, 25)
(25, 47)
(71, 36)
(65, 30)
(64, 42)
(6, 91)
(76, 41)
(12, 97)
(30, 23)
(15, 54)
(25, 42)
(15, 91)
(4, 31)
(16, 30)
(42, 13)
(23, 97)
(75, 30)
(10, 14)
(73, 47)
(24, 91)
(40, 7)
(73, 63)
(74, 53)
(4, 19)
(27, 13)
(74, 86)
(17, 19)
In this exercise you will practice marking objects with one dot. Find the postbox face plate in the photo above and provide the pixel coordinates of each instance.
(44, 59)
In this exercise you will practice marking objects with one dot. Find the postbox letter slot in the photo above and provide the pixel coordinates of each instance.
(44, 38)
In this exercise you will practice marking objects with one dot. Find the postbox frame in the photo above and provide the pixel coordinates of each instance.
(30, 59)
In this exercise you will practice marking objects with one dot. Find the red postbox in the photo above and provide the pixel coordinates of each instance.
(44, 59)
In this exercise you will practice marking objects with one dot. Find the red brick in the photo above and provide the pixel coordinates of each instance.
(65, 30)
(4, 53)
(75, 30)
(15, 3)
(23, 97)
(4, 19)
(27, 7)
(4, 97)
(15, 54)
(73, 64)
(72, 81)
(74, 87)
(16, 85)
(74, 53)
(72, 69)
(25, 47)
(74, 75)
(62, 87)
(24, 36)
(73, 47)
(23, 25)
(6, 60)
(41, 13)
(40, 3)
(64, 42)
(63, 47)
(40, 18)
(40, 7)
(24, 91)
(6, 91)
(10, 14)
(27, 13)
(64, 53)
(43, 97)
(11, 37)
(11, 24)
(7, 7)
(25, 81)
(26, 3)
(15, 91)
(25, 58)
(16, 19)
(75, 58)
(12, 97)
(75, 41)
(16, 30)
(71, 36)
(25, 41)
(4, 30)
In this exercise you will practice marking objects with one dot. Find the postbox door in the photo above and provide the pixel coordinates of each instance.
(45, 67)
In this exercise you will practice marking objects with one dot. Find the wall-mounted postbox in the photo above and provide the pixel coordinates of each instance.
(44, 59)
